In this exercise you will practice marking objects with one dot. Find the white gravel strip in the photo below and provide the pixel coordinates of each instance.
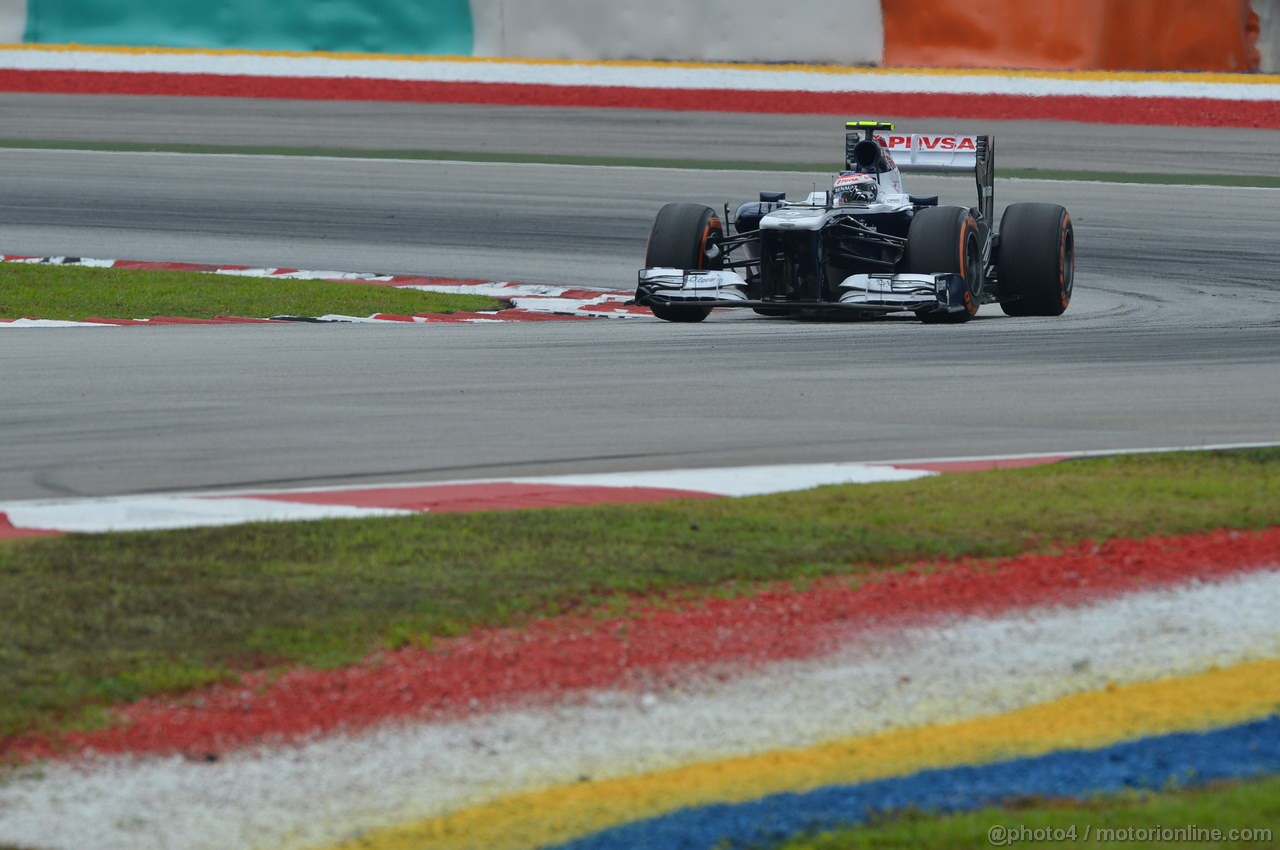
(324, 791)
(177, 510)
(153, 513)
(51, 323)
(743, 480)
(183, 510)
(499, 289)
(1249, 87)
(566, 305)
(277, 274)
(354, 320)
(86, 262)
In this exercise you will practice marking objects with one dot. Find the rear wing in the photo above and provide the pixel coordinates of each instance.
(936, 153)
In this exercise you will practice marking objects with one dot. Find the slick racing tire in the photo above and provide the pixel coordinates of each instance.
(1037, 261)
(684, 236)
(945, 239)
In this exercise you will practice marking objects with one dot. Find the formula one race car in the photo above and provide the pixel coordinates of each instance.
(865, 247)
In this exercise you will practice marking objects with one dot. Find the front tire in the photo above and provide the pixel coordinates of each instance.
(1037, 260)
(945, 239)
(684, 236)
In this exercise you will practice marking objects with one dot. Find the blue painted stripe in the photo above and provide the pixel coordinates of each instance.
(1185, 759)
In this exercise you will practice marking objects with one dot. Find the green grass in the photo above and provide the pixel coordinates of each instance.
(87, 620)
(1260, 180)
(1247, 805)
(76, 293)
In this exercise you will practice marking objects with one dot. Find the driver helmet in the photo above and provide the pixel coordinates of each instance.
(852, 188)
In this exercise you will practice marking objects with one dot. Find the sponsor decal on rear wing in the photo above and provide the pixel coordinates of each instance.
(937, 152)
(932, 152)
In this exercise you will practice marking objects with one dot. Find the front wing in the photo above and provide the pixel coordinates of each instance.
(867, 293)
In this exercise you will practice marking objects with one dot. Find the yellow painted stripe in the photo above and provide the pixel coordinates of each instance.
(835, 70)
(1084, 721)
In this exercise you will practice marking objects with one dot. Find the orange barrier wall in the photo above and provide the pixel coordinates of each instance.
(1106, 35)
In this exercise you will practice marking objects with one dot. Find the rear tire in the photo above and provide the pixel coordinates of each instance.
(1037, 260)
(684, 236)
(945, 239)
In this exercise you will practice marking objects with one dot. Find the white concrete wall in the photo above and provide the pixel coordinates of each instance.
(1269, 35)
(13, 21)
(845, 32)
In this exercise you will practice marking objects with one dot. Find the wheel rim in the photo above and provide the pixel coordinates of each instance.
(709, 241)
(972, 269)
(973, 265)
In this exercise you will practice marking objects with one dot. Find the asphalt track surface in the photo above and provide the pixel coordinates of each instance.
(1173, 337)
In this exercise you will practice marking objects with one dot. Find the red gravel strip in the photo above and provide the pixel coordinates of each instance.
(1197, 112)
(140, 265)
(8, 530)
(489, 668)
